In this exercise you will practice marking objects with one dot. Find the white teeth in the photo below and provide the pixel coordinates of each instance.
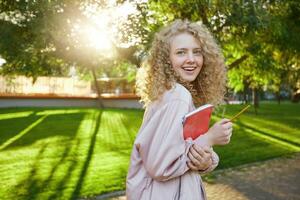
(189, 68)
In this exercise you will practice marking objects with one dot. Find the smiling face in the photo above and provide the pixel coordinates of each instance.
(185, 56)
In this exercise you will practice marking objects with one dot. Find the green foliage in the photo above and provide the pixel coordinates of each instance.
(250, 32)
(25, 39)
(120, 70)
(40, 37)
(259, 38)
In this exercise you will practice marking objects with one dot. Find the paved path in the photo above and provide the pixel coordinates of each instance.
(276, 179)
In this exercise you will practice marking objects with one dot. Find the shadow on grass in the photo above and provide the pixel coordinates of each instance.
(60, 173)
(48, 126)
(280, 139)
(246, 147)
(10, 128)
(87, 161)
(119, 134)
(19, 109)
(33, 185)
(52, 185)
(29, 187)
(59, 152)
(131, 133)
(285, 114)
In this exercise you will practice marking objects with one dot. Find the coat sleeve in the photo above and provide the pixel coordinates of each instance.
(215, 162)
(201, 141)
(162, 148)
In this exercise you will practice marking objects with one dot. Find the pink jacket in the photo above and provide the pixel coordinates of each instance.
(158, 166)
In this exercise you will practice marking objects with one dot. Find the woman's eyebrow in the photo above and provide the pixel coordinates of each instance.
(181, 48)
(197, 48)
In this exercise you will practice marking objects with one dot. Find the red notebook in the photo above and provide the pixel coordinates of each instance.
(196, 122)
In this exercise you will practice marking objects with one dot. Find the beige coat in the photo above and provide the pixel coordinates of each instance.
(158, 166)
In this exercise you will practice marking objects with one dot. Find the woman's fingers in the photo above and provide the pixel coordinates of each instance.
(194, 160)
(197, 151)
(228, 132)
(226, 139)
(202, 166)
(200, 157)
(201, 150)
(227, 125)
(191, 166)
(224, 121)
(221, 132)
(200, 154)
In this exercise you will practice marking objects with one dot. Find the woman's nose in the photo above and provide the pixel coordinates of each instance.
(190, 57)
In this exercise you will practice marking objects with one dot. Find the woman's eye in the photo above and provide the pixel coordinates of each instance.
(180, 52)
(197, 52)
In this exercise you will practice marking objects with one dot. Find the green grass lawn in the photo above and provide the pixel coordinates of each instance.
(65, 153)
(273, 132)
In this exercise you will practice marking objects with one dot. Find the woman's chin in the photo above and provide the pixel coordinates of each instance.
(189, 78)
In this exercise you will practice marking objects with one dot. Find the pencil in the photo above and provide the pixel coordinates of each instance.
(224, 110)
(234, 117)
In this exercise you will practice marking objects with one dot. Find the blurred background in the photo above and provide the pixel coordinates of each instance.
(66, 47)
(68, 108)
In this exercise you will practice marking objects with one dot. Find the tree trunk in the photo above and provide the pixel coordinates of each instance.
(245, 92)
(100, 103)
(295, 95)
(226, 99)
(278, 97)
(255, 99)
(245, 96)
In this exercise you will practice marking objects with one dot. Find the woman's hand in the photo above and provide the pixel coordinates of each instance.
(201, 157)
(220, 132)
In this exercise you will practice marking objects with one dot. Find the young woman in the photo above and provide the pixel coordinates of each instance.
(185, 68)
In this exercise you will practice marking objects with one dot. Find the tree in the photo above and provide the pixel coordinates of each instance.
(47, 37)
(250, 33)
(41, 38)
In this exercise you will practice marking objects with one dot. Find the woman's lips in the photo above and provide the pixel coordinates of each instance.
(189, 69)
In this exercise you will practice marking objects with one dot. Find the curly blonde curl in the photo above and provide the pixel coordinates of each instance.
(156, 75)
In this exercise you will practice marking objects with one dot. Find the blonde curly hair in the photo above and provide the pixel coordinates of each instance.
(156, 74)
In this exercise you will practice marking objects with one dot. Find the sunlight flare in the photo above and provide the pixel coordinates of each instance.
(105, 28)
(98, 39)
